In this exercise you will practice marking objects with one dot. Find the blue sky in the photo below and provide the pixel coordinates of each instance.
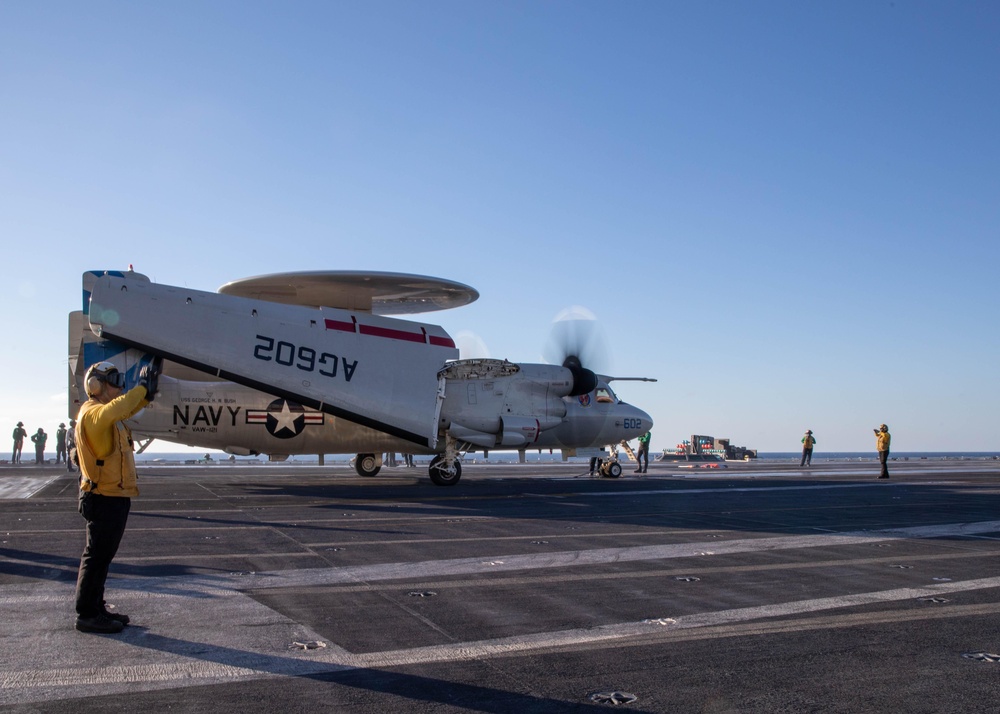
(787, 212)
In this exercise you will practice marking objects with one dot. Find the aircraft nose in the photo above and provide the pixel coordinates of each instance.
(647, 421)
(634, 422)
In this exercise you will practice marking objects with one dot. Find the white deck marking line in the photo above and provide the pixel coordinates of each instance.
(189, 605)
(624, 630)
(229, 663)
(598, 556)
(507, 563)
(12, 487)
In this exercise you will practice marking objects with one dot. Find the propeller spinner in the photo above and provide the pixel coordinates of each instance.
(576, 339)
(584, 380)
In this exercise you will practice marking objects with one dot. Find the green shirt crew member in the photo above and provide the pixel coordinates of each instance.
(19, 436)
(61, 443)
(70, 444)
(38, 439)
(642, 455)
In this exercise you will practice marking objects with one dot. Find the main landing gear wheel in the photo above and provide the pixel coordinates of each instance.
(367, 465)
(441, 475)
(613, 470)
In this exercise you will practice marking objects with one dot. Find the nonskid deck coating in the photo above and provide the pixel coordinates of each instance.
(424, 563)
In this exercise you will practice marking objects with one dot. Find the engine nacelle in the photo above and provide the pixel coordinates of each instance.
(509, 403)
(519, 431)
(514, 432)
(472, 436)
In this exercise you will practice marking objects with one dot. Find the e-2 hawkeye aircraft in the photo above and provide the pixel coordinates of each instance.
(308, 363)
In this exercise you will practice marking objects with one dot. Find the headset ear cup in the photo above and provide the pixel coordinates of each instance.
(94, 387)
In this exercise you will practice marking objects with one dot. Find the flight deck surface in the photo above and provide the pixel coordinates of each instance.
(528, 588)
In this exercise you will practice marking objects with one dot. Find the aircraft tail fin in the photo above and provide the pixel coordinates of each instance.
(86, 349)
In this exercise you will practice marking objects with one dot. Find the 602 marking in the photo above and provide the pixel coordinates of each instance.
(303, 358)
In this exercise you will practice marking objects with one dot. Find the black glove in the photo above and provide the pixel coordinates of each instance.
(149, 377)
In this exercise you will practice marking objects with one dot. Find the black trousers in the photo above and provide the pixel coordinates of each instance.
(106, 517)
(807, 456)
(640, 456)
(883, 458)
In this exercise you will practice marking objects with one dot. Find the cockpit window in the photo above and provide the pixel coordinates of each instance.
(605, 395)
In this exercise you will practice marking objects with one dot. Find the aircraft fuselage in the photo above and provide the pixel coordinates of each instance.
(241, 420)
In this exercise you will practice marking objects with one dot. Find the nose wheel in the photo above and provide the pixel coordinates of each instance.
(611, 469)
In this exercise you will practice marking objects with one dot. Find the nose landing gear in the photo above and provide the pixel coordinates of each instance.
(611, 469)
